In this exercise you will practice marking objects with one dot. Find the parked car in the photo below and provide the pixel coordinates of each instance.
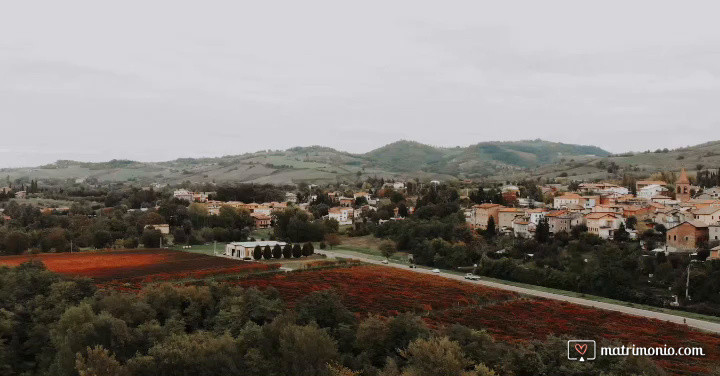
(436, 270)
(412, 266)
(472, 277)
(384, 261)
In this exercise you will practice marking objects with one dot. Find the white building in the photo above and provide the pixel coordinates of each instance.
(566, 200)
(183, 194)
(343, 215)
(244, 250)
(650, 191)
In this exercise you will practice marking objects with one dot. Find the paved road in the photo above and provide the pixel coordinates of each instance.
(699, 324)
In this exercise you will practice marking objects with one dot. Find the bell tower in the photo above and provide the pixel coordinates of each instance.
(683, 187)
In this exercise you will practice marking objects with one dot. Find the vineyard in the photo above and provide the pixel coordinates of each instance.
(388, 291)
(138, 266)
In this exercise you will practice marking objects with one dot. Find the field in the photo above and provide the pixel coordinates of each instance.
(137, 266)
(386, 291)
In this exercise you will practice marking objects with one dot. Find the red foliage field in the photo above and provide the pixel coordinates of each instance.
(528, 319)
(137, 265)
(382, 290)
(507, 316)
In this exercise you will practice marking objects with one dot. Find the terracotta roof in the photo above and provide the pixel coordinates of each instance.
(556, 213)
(707, 210)
(486, 206)
(599, 215)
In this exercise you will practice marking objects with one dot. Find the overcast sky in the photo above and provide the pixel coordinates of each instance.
(155, 80)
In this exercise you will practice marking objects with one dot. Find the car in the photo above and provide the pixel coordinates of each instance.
(472, 277)
(436, 270)
(384, 261)
(412, 266)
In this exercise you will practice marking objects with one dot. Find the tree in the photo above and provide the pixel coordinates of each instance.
(332, 240)
(490, 231)
(151, 238)
(257, 252)
(542, 231)
(267, 252)
(99, 362)
(277, 251)
(306, 249)
(435, 357)
(621, 234)
(287, 251)
(631, 222)
(325, 308)
(296, 251)
(387, 248)
(16, 242)
(306, 350)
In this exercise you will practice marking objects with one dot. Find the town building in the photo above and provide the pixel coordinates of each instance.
(650, 191)
(683, 189)
(603, 224)
(480, 215)
(708, 215)
(261, 220)
(343, 215)
(506, 216)
(714, 232)
(562, 202)
(688, 235)
(563, 220)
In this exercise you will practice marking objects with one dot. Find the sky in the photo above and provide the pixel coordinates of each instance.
(155, 80)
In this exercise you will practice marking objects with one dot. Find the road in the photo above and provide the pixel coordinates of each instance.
(695, 323)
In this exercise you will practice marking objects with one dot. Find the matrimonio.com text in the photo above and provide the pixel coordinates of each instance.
(585, 350)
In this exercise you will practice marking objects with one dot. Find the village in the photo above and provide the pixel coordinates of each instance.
(687, 215)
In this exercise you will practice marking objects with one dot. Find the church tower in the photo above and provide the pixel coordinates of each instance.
(683, 188)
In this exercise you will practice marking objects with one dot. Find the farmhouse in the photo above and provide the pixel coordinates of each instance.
(480, 214)
(343, 215)
(244, 250)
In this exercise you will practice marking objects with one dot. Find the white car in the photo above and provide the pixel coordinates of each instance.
(472, 277)
(436, 270)
(384, 261)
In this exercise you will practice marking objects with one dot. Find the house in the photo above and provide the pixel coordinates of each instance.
(561, 202)
(714, 232)
(589, 202)
(21, 194)
(563, 220)
(640, 184)
(347, 201)
(650, 191)
(163, 228)
(536, 215)
(603, 224)
(507, 215)
(244, 250)
(708, 215)
(291, 197)
(480, 215)
(521, 228)
(343, 215)
(261, 220)
(714, 253)
(183, 194)
(688, 235)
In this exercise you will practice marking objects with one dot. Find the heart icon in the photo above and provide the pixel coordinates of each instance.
(581, 348)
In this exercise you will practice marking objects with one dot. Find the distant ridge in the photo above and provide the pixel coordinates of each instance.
(499, 160)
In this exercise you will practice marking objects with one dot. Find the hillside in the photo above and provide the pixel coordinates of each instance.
(401, 159)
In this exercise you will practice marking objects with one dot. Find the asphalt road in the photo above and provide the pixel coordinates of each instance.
(695, 323)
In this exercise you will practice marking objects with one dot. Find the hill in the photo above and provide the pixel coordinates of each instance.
(401, 159)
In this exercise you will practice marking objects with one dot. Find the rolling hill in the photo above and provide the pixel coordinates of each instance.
(401, 159)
